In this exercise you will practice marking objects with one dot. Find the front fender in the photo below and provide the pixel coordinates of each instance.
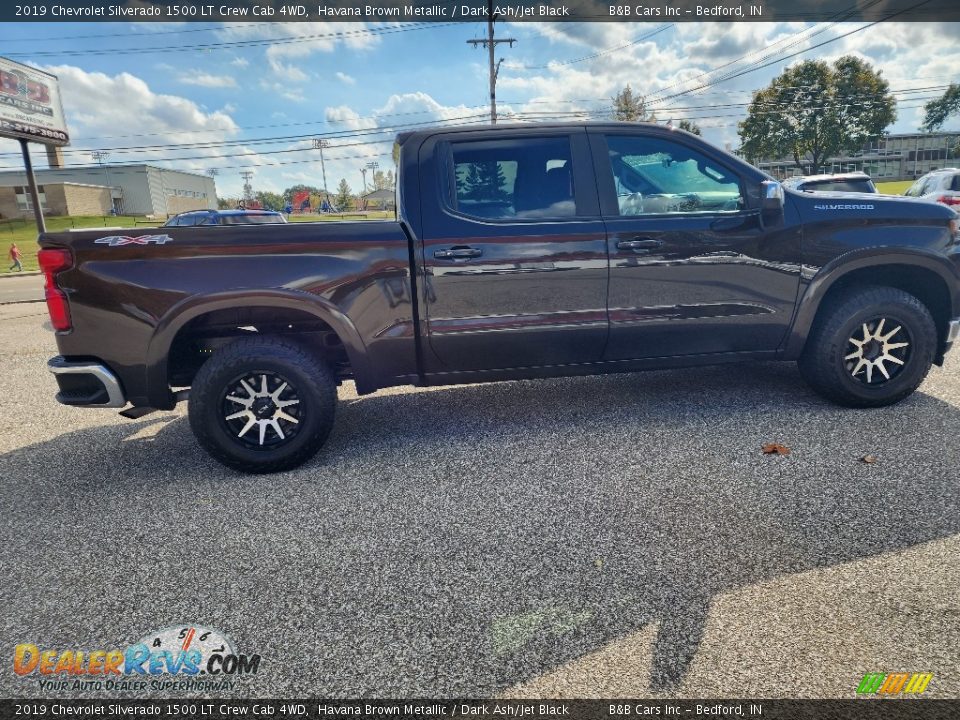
(835, 270)
(158, 390)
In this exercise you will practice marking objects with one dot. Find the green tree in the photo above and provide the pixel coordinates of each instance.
(485, 181)
(383, 180)
(269, 200)
(937, 111)
(629, 106)
(344, 195)
(689, 126)
(814, 110)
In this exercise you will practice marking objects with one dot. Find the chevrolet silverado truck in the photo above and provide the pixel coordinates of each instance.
(517, 252)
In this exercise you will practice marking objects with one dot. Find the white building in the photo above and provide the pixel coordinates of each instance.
(136, 189)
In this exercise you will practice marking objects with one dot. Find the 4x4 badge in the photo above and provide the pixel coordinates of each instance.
(118, 240)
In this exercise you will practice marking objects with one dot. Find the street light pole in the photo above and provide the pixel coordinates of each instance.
(100, 156)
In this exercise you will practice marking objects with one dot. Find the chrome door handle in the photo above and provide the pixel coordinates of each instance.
(639, 244)
(458, 253)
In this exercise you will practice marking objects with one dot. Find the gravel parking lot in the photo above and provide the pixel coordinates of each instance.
(616, 536)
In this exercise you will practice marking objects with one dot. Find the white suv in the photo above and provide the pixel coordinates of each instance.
(942, 186)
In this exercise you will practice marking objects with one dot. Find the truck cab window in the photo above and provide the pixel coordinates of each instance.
(524, 178)
(653, 176)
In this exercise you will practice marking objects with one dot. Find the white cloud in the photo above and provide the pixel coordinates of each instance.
(345, 117)
(240, 62)
(287, 59)
(203, 79)
(345, 79)
(96, 120)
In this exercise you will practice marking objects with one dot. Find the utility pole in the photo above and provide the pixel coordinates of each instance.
(491, 44)
(320, 144)
(247, 175)
(373, 167)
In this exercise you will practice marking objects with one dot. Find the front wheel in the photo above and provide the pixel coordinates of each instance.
(262, 405)
(871, 346)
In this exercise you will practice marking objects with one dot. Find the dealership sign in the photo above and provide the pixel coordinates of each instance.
(30, 107)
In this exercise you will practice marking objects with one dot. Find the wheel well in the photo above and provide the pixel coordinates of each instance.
(203, 335)
(926, 285)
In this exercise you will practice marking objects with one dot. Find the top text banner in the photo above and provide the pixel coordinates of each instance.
(479, 10)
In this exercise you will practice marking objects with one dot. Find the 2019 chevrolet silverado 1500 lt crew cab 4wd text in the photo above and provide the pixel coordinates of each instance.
(517, 252)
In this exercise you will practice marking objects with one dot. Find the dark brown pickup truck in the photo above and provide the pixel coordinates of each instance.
(517, 252)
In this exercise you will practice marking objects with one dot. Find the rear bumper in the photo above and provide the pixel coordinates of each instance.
(86, 383)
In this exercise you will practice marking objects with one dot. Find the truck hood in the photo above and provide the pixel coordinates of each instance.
(848, 205)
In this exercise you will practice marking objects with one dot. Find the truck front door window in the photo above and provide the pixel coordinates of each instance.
(653, 176)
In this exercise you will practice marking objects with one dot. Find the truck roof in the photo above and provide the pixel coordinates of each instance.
(558, 125)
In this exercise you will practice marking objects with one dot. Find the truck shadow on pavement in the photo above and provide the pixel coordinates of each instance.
(458, 541)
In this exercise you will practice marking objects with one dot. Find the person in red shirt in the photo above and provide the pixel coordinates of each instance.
(15, 256)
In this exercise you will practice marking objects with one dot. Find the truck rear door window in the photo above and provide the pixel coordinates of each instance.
(523, 178)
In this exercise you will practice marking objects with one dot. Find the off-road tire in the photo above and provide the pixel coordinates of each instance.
(823, 364)
(281, 358)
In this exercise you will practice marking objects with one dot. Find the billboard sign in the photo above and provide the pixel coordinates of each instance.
(30, 107)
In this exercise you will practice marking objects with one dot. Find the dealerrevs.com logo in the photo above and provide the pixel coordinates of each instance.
(180, 657)
(894, 683)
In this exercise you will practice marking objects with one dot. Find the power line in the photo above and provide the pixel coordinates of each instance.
(389, 129)
(511, 66)
(178, 31)
(799, 52)
(234, 44)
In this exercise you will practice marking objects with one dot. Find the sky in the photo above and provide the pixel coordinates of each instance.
(252, 96)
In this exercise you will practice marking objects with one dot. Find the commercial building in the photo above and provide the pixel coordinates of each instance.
(128, 189)
(56, 199)
(893, 157)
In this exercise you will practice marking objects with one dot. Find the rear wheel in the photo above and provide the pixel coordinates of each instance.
(262, 405)
(871, 346)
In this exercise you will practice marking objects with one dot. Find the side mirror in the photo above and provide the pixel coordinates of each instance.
(771, 196)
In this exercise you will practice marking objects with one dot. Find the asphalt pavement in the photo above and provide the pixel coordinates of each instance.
(17, 288)
(614, 536)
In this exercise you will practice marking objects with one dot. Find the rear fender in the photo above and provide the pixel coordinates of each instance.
(158, 390)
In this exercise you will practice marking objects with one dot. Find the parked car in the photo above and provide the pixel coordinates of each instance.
(942, 186)
(857, 182)
(225, 217)
(517, 252)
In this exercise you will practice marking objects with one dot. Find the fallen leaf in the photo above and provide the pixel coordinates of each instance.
(775, 449)
(868, 459)
(598, 563)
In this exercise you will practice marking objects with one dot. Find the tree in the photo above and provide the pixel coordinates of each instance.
(689, 126)
(485, 181)
(383, 180)
(813, 111)
(937, 111)
(344, 194)
(628, 106)
(269, 200)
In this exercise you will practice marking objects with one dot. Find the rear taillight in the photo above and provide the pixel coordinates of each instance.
(949, 200)
(52, 261)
